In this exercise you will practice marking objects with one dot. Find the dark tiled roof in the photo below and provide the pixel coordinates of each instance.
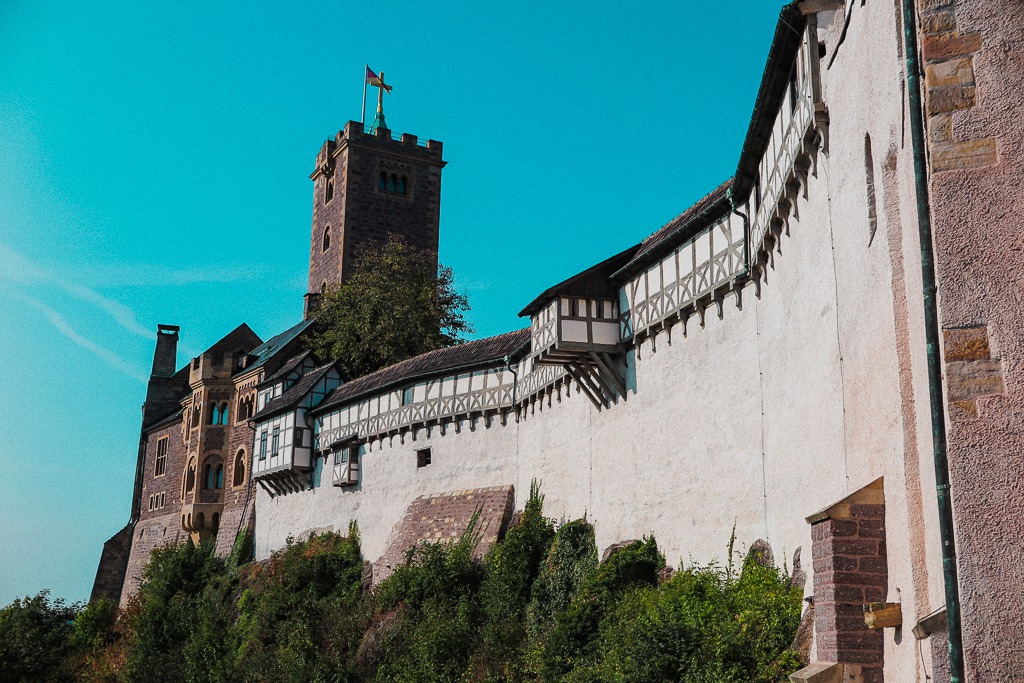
(269, 348)
(466, 355)
(289, 365)
(592, 282)
(681, 228)
(290, 398)
(170, 419)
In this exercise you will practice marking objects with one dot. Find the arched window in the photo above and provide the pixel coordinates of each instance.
(392, 182)
(327, 238)
(224, 413)
(218, 482)
(323, 287)
(382, 182)
(190, 476)
(329, 189)
(207, 476)
(239, 470)
(402, 183)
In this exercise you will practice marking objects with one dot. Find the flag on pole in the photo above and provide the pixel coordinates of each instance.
(374, 79)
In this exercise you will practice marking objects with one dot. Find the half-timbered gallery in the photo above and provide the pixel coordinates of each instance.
(824, 353)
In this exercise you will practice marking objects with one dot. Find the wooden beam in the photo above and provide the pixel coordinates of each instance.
(604, 365)
(582, 385)
(587, 377)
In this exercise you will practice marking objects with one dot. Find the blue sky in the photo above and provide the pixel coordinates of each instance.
(154, 163)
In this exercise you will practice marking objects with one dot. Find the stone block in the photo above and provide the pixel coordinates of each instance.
(930, 6)
(954, 73)
(941, 100)
(883, 615)
(972, 379)
(963, 411)
(946, 45)
(819, 672)
(966, 343)
(939, 22)
(950, 156)
(940, 128)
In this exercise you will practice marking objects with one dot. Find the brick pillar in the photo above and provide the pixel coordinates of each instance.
(848, 551)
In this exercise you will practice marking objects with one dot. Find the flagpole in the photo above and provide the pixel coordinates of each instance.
(363, 117)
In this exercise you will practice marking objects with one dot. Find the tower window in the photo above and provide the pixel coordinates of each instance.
(423, 457)
(207, 476)
(393, 183)
(219, 477)
(223, 413)
(239, 470)
(161, 457)
(329, 189)
(190, 477)
(327, 238)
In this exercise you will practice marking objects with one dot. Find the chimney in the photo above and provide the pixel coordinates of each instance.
(166, 356)
(161, 396)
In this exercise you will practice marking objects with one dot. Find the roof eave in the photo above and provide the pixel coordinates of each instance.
(705, 217)
(785, 46)
(325, 406)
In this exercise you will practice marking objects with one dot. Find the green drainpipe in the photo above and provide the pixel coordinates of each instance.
(931, 328)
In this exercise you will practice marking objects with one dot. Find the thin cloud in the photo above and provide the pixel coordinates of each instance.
(24, 271)
(65, 328)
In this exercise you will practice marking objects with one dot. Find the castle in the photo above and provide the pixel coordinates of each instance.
(825, 353)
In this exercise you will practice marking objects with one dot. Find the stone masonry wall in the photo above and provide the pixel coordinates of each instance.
(849, 558)
(113, 565)
(974, 76)
(359, 212)
(443, 517)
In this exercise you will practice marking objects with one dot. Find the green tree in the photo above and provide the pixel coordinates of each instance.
(36, 639)
(397, 303)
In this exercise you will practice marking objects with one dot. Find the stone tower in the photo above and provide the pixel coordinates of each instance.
(367, 187)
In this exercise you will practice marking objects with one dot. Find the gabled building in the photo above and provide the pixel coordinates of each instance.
(283, 452)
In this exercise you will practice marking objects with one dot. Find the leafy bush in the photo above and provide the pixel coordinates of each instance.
(299, 615)
(538, 607)
(574, 639)
(178, 621)
(436, 595)
(703, 625)
(36, 639)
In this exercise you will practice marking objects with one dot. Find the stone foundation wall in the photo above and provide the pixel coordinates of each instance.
(443, 517)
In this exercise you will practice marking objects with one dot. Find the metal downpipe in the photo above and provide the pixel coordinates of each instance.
(931, 324)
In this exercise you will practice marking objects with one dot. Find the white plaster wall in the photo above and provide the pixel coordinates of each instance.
(390, 481)
(754, 421)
